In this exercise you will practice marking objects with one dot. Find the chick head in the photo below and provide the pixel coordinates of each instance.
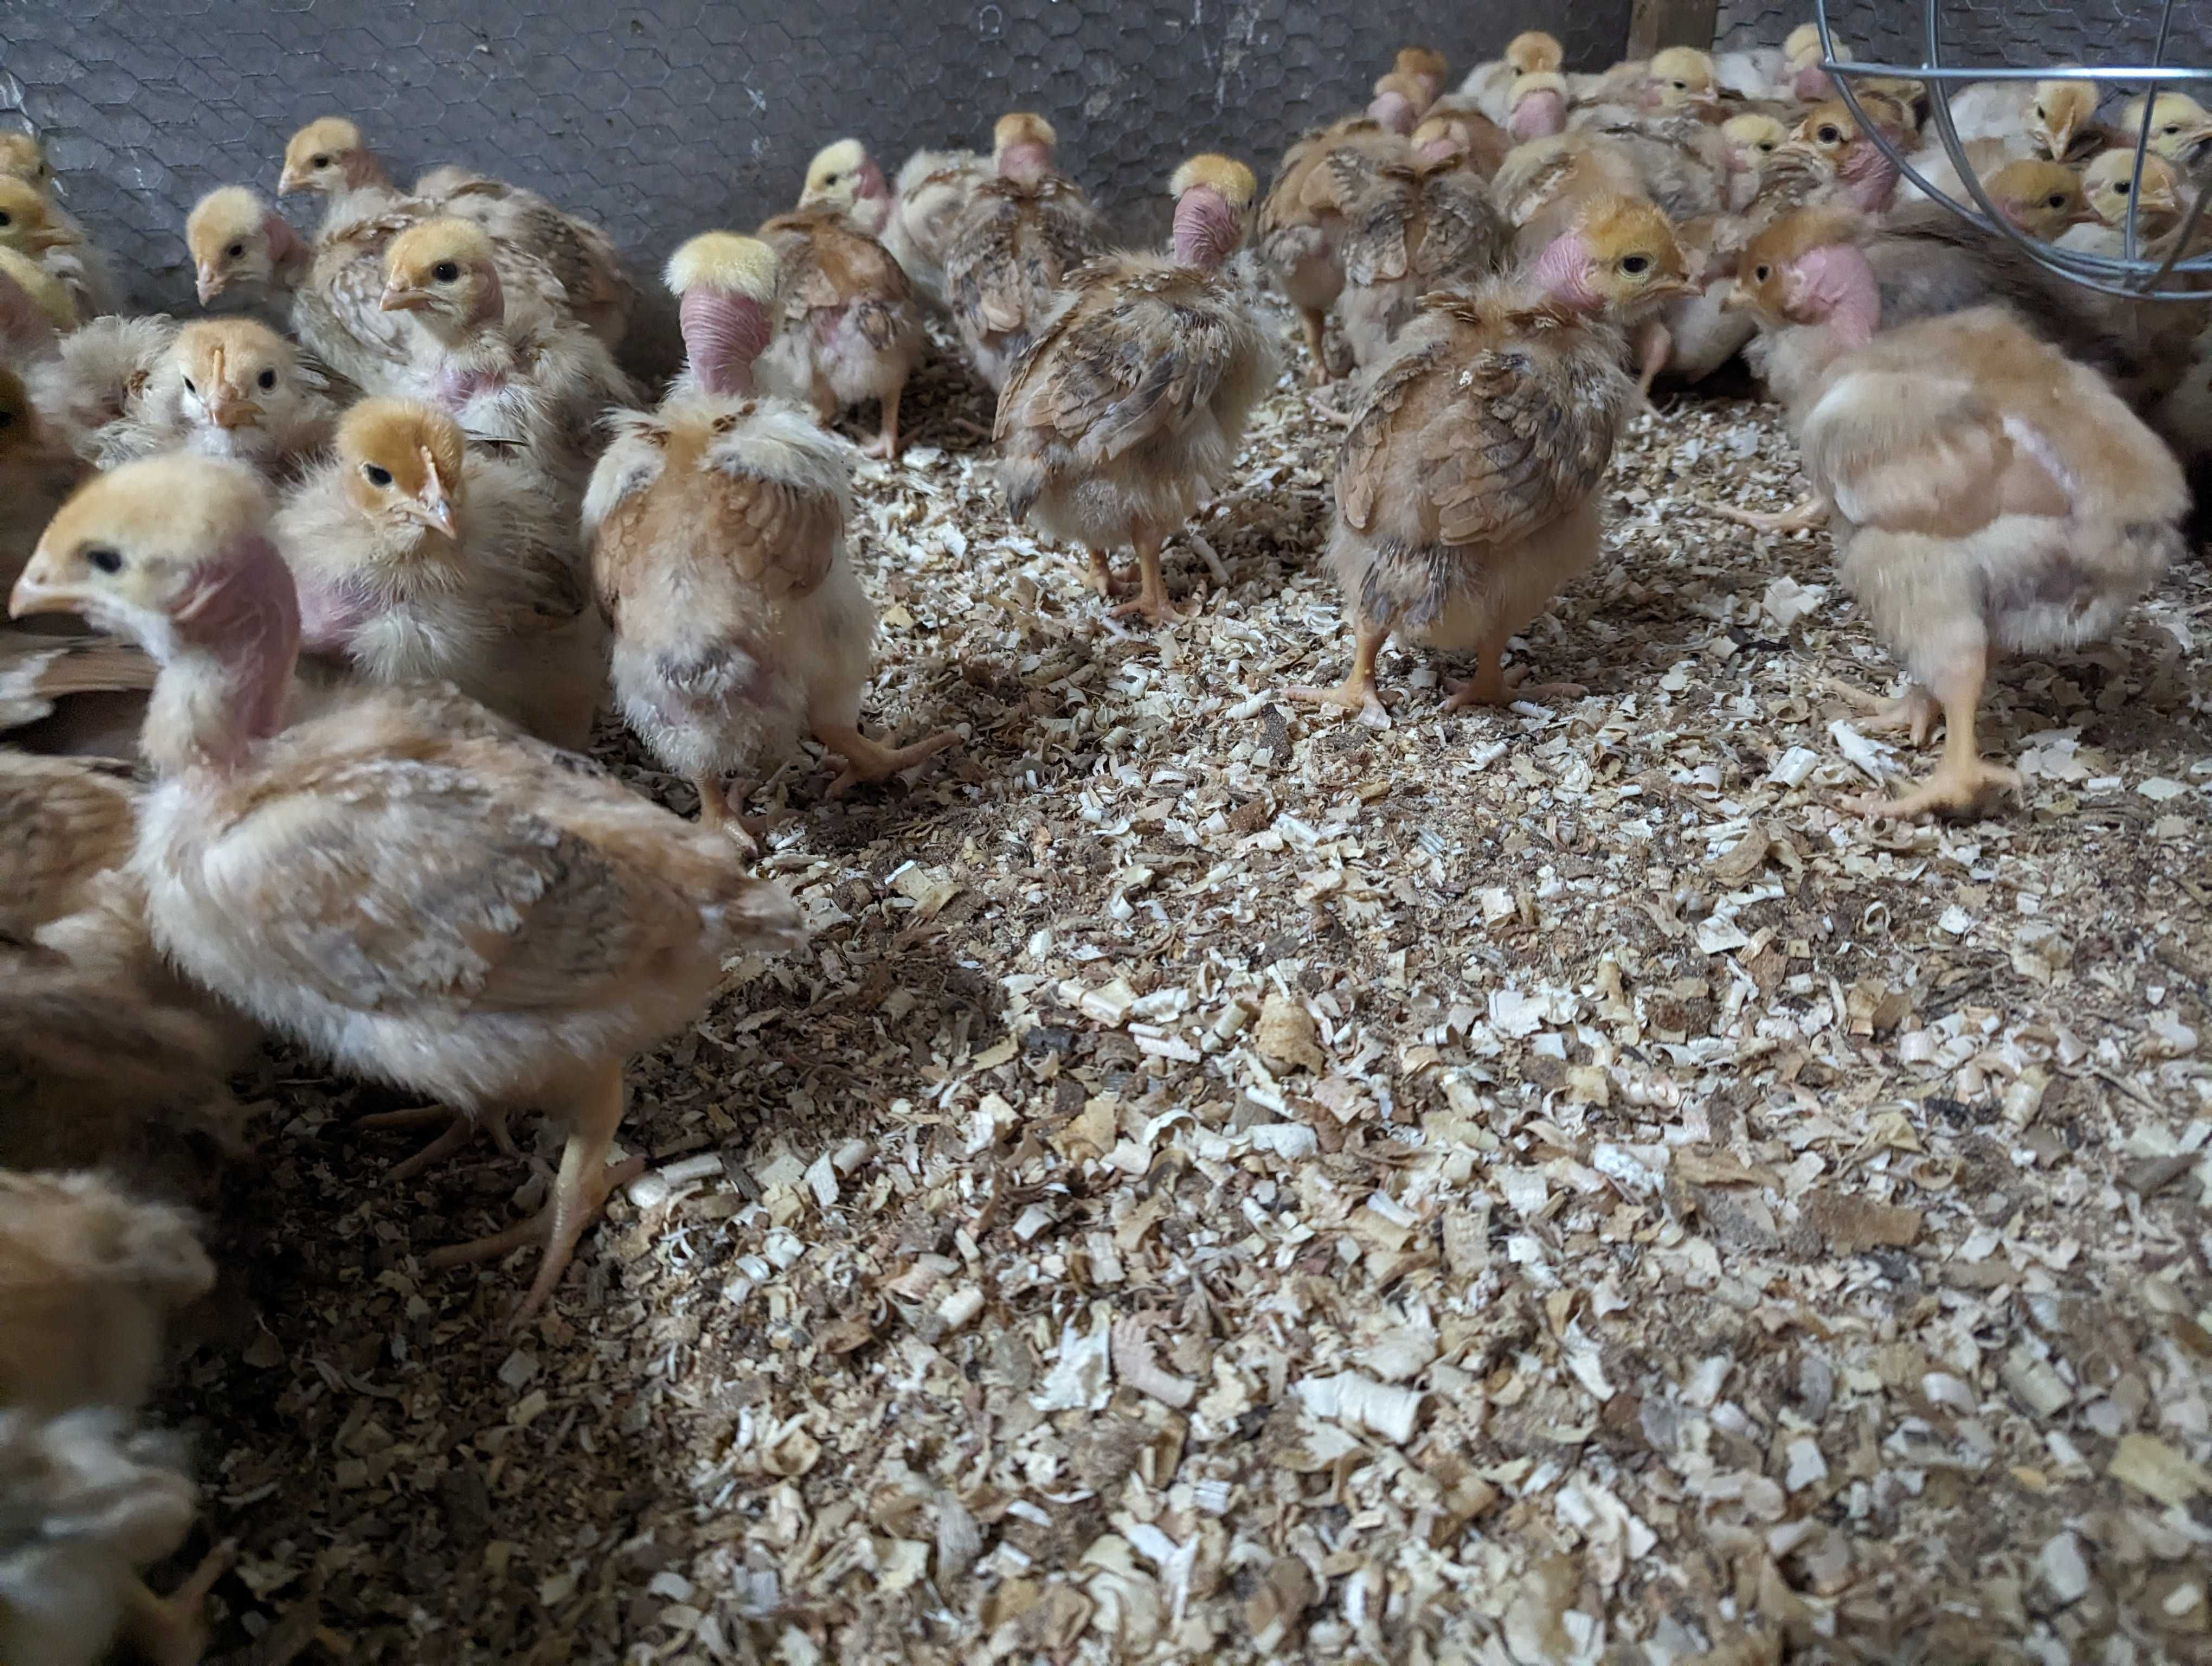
(844, 177)
(1783, 271)
(1828, 129)
(2109, 182)
(2042, 198)
(149, 550)
(44, 292)
(1620, 256)
(1442, 137)
(402, 463)
(27, 221)
(22, 157)
(1023, 144)
(327, 155)
(1752, 139)
(1213, 197)
(2178, 123)
(1425, 65)
(1802, 52)
(234, 237)
(1534, 53)
(1536, 105)
(724, 283)
(443, 270)
(232, 371)
(1398, 102)
(2063, 109)
(1681, 76)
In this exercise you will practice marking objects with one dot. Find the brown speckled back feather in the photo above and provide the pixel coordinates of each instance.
(67, 821)
(1432, 223)
(1017, 245)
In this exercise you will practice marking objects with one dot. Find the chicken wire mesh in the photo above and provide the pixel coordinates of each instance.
(663, 120)
(2124, 48)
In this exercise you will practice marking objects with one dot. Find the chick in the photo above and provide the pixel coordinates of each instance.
(844, 178)
(34, 309)
(22, 157)
(1426, 67)
(85, 1504)
(329, 157)
(1467, 486)
(1456, 131)
(2108, 184)
(1126, 413)
(418, 560)
(1491, 85)
(2043, 198)
(31, 225)
(934, 190)
(37, 470)
(1832, 133)
(1681, 79)
(849, 331)
(1409, 228)
(408, 886)
(226, 387)
(727, 649)
(237, 241)
(1989, 496)
(1024, 233)
(532, 387)
(98, 376)
(1302, 224)
(1803, 57)
(2179, 125)
(2061, 124)
(1752, 139)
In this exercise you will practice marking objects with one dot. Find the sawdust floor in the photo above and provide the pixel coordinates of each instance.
(1226, 1184)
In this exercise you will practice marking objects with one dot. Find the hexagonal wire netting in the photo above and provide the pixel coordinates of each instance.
(663, 120)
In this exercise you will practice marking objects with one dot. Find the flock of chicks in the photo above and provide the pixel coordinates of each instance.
(348, 599)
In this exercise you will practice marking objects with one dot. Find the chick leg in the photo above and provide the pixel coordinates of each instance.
(1357, 692)
(1316, 322)
(1913, 713)
(461, 1129)
(1654, 344)
(1810, 516)
(1100, 577)
(885, 444)
(718, 797)
(581, 1191)
(1151, 589)
(1492, 685)
(871, 760)
(171, 1630)
(1964, 778)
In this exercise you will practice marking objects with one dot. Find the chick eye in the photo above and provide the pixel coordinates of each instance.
(2170, 129)
(832, 179)
(2039, 116)
(6, 219)
(1760, 274)
(445, 271)
(236, 251)
(7, 419)
(2121, 187)
(1830, 134)
(1679, 86)
(377, 476)
(322, 162)
(1636, 265)
(267, 378)
(2054, 201)
(190, 388)
(104, 561)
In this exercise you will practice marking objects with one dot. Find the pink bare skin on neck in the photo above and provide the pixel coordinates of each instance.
(1813, 85)
(1868, 176)
(723, 334)
(1207, 230)
(284, 244)
(1539, 115)
(1562, 272)
(1029, 160)
(242, 610)
(1835, 286)
(1394, 111)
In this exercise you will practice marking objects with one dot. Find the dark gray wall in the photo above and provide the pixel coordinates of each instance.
(2022, 34)
(664, 119)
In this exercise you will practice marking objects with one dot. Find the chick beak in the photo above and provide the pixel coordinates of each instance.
(2062, 138)
(398, 298)
(209, 283)
(36, 592)
(1733, 298)
(289, 180)
(227, 409)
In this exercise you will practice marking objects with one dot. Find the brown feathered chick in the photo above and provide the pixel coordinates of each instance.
(934, 188)
(1302, 224)
(848, 331)
(418, 560)
(1426, 66)
(408, 886)
(1126, 413)
(844, 178)
(1467, 489)
(2043, 198)
(718, 550)
(1409, 228)
(330, 158)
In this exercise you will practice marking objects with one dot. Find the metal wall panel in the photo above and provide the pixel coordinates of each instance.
(663, 120)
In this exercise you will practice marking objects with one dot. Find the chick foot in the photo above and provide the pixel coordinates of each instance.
(1913, 713)
(1357, 692)
(172, 1630)
(885, 444)
(871, 760)
(1102, 579)
(578, 1196)
(1151, 600)
(719, 812)
(1502, 688)
(1808, 516)
(1956, 789)
(461, 1130)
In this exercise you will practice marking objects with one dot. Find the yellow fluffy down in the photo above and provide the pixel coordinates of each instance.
(1803, 47)
(1022, 127)
(47, 291)
(1683, 63)
(1534, 53)
(724, 260)
(834, 160)
(222, 217)
(1225, 175)
(1536, 80)
(417, 249)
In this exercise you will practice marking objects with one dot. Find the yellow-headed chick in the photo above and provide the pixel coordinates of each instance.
(717, 526)
(1126, 413)
(1490, 84)
(1988, 496)
(238, 242)
(1302, 224)
(532, 387)
(2108, 184)
(1026, 230)
(1466, 488)
(844, 178)
(408, 886)
(847, 330)
(2042, 198)
(35, 308)
(1455, 130)
(33, 227)
(2179, 125)
(2061, 124)
(934, 188)
(1426, 66)
(1804, 55)
(330, 158)
(38, 469)
(419, 560)
(1867, 174)
(1410, 226)
(226, 387)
